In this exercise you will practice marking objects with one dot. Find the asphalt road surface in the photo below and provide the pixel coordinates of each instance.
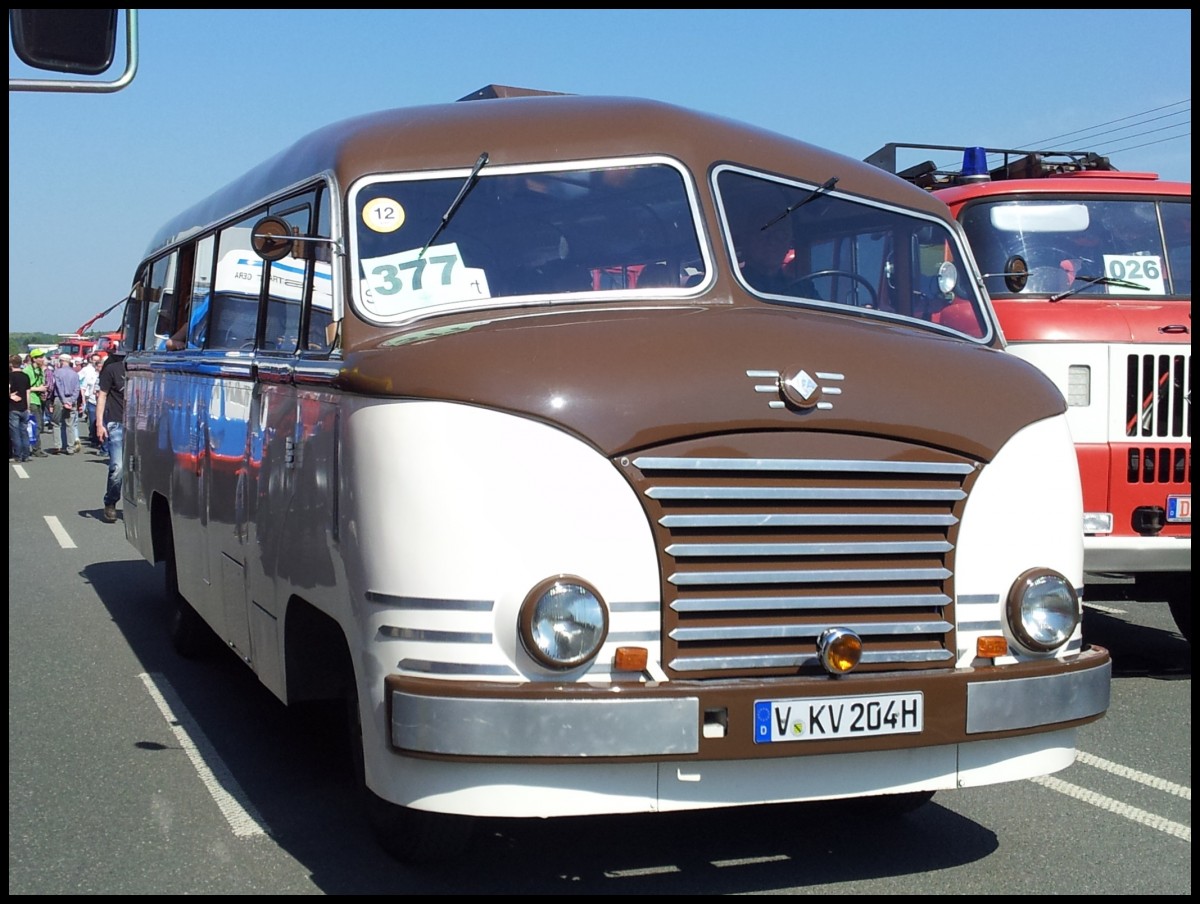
(132, 771)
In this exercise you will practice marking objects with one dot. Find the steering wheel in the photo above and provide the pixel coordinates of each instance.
(861, 280)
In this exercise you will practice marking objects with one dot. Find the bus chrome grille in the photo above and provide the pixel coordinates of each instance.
(760, 552)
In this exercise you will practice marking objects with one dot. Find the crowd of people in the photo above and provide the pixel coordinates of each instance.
(61, 397)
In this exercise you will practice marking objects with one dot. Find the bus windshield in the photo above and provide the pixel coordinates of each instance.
(1133, 247)
(502, 234)
(809, 245)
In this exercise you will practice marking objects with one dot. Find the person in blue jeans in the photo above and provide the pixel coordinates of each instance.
(110, 427)
(18, 409)
(67, 396)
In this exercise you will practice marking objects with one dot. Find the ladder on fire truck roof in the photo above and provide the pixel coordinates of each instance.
(1017, 164)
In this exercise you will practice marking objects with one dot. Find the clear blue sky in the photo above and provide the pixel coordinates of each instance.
(92, 176)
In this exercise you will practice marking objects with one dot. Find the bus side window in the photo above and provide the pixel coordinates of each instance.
(158, 291)
(232, 321)
(236, 286)
(194, 324)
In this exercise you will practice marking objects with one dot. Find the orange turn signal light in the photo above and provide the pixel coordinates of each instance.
(990, 647)
(630, 659)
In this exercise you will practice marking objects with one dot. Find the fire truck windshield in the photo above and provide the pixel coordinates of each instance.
(1137, 248)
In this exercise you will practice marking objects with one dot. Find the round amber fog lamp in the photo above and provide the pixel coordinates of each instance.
(839, 650)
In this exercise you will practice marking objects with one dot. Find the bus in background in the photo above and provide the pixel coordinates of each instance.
(542, 459)
(1090, 272)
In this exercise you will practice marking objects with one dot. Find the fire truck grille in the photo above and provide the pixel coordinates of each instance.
(1160, 465)
(760, 555)
(1158, 394)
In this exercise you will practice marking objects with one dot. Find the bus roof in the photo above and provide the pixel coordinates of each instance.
(533, 128)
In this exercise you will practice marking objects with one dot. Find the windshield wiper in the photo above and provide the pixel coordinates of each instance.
(1089, 281)
(462, 193)
(815, 193)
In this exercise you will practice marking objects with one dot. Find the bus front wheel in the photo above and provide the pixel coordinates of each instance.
(190, 636)
(412, 836)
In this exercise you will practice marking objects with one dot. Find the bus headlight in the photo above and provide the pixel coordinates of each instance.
(563, 622)
(1043, 610)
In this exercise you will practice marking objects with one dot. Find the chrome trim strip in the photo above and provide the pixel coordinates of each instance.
(632, 636)
(758, 632)
(1045, 700)
(552, 728)
(796, 660)
(661, 463)
(882, 547)
(979, 598)
(788, 603)
(807, 520)
(434, 636)
(431, 667)
(694, 578)
(421, 603)
(772, 493)
(637, 606)
(316, 373)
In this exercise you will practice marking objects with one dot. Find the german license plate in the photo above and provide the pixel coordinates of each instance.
(1179, 509)
(829, 718)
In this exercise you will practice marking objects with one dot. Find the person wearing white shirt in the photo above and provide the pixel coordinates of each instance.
(89, 383)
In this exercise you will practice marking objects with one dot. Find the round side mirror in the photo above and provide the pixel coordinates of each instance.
(1016, 273)
(272, 238)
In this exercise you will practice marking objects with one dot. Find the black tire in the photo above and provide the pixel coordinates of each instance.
(1181, 611)
(1175, 587)
(1178, 593)
(190, 636)
(415, 837)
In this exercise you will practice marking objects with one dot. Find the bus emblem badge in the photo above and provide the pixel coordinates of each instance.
(799, 389)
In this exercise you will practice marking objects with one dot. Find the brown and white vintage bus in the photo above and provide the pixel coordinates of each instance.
(609, 457)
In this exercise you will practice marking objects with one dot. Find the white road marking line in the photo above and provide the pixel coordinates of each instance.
(243, 819)
(1152, 781)
(634, 873)
(1115, 806)
(751, 861)
(21, 472)
(1107, 610)
(60, 533)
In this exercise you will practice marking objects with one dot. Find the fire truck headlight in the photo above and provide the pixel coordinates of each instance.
(563, 622)
(1043, 610)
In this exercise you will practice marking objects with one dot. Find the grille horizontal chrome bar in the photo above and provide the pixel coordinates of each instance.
(685, 550)
(799, 603)
(843, 576)
(832, 465)
(799, 660)
(750, 632)
(794, 520)
(773, 494)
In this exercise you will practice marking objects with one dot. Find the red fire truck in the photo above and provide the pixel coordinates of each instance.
(80, 345)
(1090, 272)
